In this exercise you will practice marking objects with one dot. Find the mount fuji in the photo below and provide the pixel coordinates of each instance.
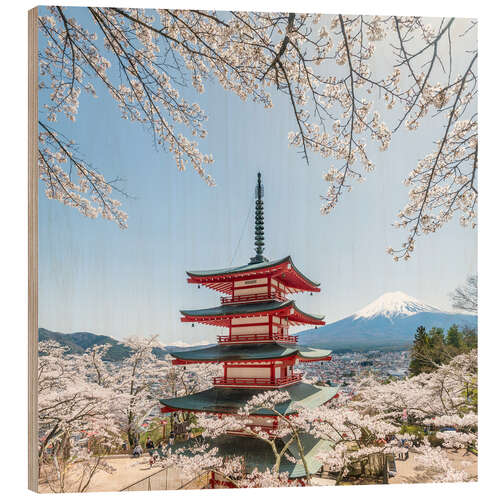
(389, 321)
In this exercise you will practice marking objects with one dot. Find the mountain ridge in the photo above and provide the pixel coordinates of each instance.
(79, 342)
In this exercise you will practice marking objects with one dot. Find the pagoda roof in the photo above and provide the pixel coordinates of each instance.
(251, 352)
(230, 400)
(283, 269)
(221, 315)
(258, 455)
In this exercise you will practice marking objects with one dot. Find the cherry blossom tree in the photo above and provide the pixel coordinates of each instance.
(68, 400)
(445, 397)
(135, 380)
(268, 479)
(84, 399)
(279, 438)
(368, 425)
(124, 393)
(72, 409)
(445, 392)
(71, 467)
(355, 437)
(326, 66)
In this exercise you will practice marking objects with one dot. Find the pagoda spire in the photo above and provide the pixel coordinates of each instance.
(259, 223)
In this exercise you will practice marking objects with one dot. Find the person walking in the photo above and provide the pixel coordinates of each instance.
(150, 445)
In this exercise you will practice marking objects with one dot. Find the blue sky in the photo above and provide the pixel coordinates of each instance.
(95, 277)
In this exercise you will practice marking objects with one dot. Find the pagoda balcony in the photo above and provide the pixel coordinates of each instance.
(254, 297)
(256, 337)
(257, 382)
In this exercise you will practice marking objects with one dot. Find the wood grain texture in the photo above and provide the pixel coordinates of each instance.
(32, 248)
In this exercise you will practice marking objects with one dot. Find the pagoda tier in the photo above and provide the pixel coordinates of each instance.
(270, 316)
(223, 400)
(251, 353)
(269, 278)
(268, 365)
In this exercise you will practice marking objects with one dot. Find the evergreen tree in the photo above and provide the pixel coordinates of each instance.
(436, 337)
(437, 350)
(420, 351)
(432, 349)
(454, 338)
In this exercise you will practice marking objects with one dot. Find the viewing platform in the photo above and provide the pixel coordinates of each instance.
(257, 382)
(254, 297)
(256, 337)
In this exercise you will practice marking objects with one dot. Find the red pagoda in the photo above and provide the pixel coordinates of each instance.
(258, 353)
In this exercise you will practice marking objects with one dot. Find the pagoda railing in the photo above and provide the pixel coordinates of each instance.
(254, 297)
(256, 337)
(255, 381)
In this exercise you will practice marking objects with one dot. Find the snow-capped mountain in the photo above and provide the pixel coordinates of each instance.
(390, 320)
(393, 305)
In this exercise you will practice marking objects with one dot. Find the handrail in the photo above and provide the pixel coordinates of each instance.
(200, 480)
(252, 297)
(255, 337)
(253, 381)
(136, 486)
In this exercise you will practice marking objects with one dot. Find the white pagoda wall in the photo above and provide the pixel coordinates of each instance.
(261, 286)
(239, 328)
(250, 329)
(258, 324)
(249, 372)
(245, 321)
(250, 291)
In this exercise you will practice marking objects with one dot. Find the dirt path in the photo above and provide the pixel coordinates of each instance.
(126, 471)
(409, 472)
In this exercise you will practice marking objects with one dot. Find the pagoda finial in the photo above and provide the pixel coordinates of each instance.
(259, 222)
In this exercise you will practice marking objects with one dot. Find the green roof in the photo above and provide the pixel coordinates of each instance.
(258, 455)
(312, 448)
(243, 308)
(247, 308)
(239, 269)
(257, 351)
(230, 400)
(250, 267)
